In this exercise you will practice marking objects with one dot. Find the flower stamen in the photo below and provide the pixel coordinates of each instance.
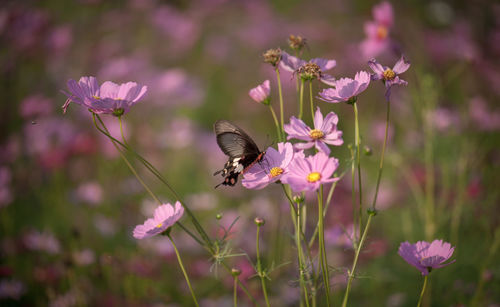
(313, 177)
(389, 74)
(382, 32)
(275, 171)
(316, 134)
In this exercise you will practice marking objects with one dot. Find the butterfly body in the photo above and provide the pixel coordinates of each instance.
(241, 149)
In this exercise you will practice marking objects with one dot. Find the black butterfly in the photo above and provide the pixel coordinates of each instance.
(241, 149)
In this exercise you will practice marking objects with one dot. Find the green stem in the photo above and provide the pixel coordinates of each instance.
(301, 256)
(322, 250)
(311, 99)
(358, 163)
(356, 256)
(154, 171)
(353, 198)
(121, 131)
(235, 292)
(282, 121)
(259, 268)
(328, 200)
(381, 165)
(423, 290)
(241, 285)
(183, 270)
(301, 98)
(276, 123)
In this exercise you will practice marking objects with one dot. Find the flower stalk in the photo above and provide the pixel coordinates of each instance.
(423, 291)
(183, 270)
(259, 222)
(322, 250)
(282, 121)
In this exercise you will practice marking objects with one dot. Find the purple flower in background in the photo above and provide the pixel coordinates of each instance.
(274, 166)
(314, 68)
(426, 256)
(109, 98)
(308, 173)
(389, 76)
(261, 93)
(377, 31)
(164, 217)
(346, 89)
(324, 132)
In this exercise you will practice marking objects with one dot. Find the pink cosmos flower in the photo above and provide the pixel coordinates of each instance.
(274, 166)
(308, 173)
(389, 76)
(324, 132)
(293, 64)
(346, 89)
(377, 31)
(109, 98)
(426, 256)
(164, 217)
(261, 93)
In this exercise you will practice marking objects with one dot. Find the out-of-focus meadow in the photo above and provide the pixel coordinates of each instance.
(68, 203)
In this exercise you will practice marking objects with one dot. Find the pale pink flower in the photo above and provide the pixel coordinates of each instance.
(346, 89)
(261, 92)
(164, 217)
(426, 256)
(389, 76)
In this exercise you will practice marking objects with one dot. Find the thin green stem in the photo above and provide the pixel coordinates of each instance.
(276, 123)
(301, 98)
(259, 267)
(356, 256)
(353, 197)
(301, 256)
(381, 165)
(154, 171)
(241, 285)
(235, 292)
(132, 169)
(311, 99)
(328, 200)
(358, 163)
(121, 131)
(322, 250)
(183, 270)
(423, 290)
(282, 121)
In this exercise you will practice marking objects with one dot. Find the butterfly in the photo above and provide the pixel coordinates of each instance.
(241, 149)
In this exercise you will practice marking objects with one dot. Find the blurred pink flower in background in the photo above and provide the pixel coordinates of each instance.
(12, 289)
(482, 117)
(6, 196)
(159, 245)
(105, 225)
(178, 133)
(377, 32)
(42, 241)
(453, 43)
(175, 87)
(377, 131)
(90, 193)
(35, 105)
(444, 119)
(59, 39)
(84, 257)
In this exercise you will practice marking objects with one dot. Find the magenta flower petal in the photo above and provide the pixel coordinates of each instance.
(289, 62)
(426, 256)
(346, 89)
(401, 66)
(261, 92)
(389, 76)
(165, 216)
(324, 64)
(383, 14)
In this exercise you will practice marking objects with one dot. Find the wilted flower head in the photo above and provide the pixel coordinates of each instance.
(272, 168)
(324, 132)
(272, 56)
(296, 42)
(426, 256)
(389, 76)
(109, 98)
(164, 217)
(261, 92)
(308, 70)
(309, 173)
(346, 89)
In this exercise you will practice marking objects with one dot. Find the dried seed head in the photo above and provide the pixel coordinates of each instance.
(296, 42)
(309, 71)
(272, 56)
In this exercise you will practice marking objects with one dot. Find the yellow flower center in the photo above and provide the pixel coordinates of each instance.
(96, 97)
(316, 134)
(389, 74)
(275, 171)
(159, 225)
(313, 177)
(382, 32)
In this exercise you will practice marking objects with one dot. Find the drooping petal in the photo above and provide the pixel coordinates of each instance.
(401, 66)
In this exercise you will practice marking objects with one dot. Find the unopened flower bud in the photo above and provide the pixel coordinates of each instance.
(371, 211)
(259, 221)
(368, 151)
(218, 216)
(272, 56)
(298, 199)
(235, 272)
